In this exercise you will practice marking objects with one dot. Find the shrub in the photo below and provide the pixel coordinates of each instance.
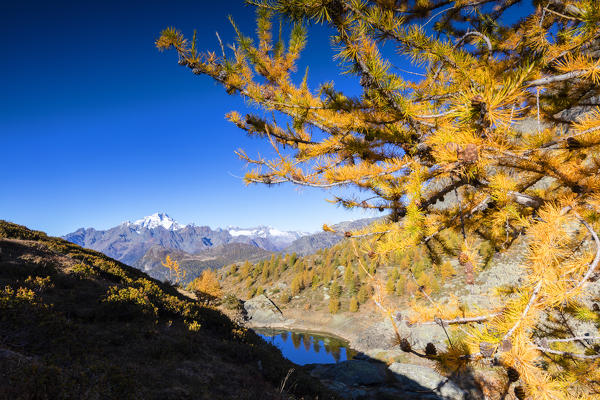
(285, 297)
(127, 303)
(84, 270)
(231, 302)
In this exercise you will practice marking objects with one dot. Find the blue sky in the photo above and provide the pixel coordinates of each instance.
(98, 127)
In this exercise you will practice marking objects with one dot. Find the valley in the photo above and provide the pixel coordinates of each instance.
(78, 324)
(334, 286)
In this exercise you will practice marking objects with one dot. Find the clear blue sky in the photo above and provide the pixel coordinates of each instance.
(98, 127)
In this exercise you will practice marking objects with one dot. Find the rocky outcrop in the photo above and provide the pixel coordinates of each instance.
(261, 311)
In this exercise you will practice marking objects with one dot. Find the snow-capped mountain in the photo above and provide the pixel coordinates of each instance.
(145, 243)
(155, 220)
(279, 238)
(129, 241)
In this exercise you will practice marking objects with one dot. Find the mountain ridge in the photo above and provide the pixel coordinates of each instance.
(129, 242)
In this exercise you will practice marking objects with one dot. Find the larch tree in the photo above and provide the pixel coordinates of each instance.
(207, 284)
(490, 102)
(175, 271)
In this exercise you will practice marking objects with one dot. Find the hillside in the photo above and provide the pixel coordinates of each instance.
(76, 324)
(194, 264)
(331, 291)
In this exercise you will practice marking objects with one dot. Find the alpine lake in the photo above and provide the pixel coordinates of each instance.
(308, 347)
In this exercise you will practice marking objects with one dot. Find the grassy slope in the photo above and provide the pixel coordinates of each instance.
(77, 324)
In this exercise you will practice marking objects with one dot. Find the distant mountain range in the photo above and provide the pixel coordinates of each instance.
(146, 242)
(129, 241)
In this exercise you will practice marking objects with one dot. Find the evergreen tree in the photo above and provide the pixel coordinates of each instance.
(207, 283)
(335, 290)
(353, 306)
(363, 294)
(334, 305)
(297, 284)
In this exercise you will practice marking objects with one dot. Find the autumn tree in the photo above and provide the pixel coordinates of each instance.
(176, 273)
(207, 283)
(476, 120)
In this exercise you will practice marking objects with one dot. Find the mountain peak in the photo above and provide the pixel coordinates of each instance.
(158, 219)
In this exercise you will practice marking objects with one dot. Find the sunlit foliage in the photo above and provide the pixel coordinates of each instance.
(500, 115)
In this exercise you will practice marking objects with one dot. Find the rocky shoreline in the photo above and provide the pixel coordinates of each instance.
(371, 374)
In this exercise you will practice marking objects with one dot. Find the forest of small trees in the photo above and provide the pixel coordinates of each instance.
(343, 275)
(493, 103)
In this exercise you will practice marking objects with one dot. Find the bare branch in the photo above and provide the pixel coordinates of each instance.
(525, 199)
(574, 339)
(556, 78)
(566, 353)
(475, 33)
(465, 320)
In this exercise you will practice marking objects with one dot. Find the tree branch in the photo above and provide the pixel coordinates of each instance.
(465, 320)
(566, 353)
(555, 78)
(524, 314)
(596, 260)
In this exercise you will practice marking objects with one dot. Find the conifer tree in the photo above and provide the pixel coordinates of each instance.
(175, 271)
(495, 110)
(353, 306)
(207, 283)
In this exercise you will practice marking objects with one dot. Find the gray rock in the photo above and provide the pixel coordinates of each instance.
(377, 336)
(410, 375)
(262, 311)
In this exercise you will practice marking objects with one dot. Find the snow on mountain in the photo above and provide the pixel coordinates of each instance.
(157, 219)
(129, 241)
(241, 232)
(265, 232)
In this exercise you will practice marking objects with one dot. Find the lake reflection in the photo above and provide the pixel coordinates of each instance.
(308, 348)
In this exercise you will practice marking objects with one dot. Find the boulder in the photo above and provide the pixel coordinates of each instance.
(260, 310)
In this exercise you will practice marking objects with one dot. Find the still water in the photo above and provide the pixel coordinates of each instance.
(308, 347)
